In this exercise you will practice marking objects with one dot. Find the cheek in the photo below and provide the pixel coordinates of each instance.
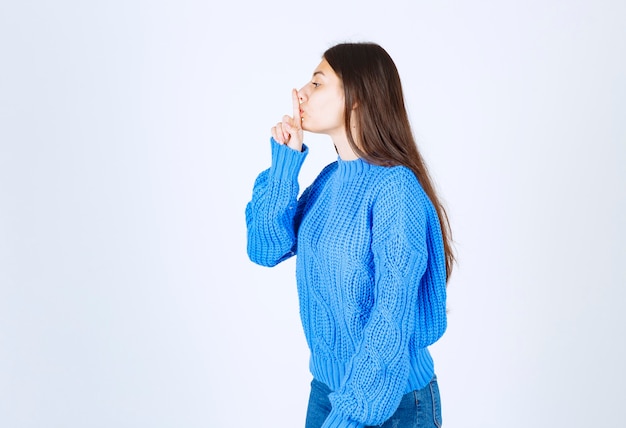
(324, 111)
(339, 107)
(338, 113)
(332, 107)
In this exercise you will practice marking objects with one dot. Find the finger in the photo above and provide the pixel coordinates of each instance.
(297, 119)
(278, 136)
(281, 128)
(287, 121)
(286, 127)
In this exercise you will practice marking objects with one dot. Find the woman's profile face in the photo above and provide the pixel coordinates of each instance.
(322, 102)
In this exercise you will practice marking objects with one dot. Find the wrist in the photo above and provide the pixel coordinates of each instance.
(286, 160)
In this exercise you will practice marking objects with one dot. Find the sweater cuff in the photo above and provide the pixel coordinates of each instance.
(335, 420)
(286, 162)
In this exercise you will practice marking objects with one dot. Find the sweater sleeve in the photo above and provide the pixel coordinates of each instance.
(271, 212)
(377, 375)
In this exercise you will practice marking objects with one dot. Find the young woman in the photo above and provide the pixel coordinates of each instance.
(372, 240)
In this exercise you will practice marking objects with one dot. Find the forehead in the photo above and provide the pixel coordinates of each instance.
(324, 69)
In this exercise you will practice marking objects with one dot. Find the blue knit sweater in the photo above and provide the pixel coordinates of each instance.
(370, 272)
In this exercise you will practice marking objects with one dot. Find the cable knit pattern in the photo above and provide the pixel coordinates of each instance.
(370, 271)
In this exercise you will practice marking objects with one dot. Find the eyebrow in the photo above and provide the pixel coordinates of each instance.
(318, 72)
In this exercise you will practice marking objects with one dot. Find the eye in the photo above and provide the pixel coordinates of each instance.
(315, 84)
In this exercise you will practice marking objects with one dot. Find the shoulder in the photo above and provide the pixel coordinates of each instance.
(328, 169)
(398, 180)
(400, 208)
(399, 191)
(399, 174)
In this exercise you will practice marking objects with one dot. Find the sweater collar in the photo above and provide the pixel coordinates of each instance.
(347, 170)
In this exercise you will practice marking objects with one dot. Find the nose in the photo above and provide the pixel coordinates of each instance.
(303, 94)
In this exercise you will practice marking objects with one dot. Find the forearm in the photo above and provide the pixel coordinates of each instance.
(270, 214)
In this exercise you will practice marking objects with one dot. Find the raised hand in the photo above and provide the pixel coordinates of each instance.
(289, 131)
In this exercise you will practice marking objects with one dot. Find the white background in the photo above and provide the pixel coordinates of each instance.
(130, 136)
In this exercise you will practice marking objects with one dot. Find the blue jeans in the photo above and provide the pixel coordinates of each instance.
(417, 409)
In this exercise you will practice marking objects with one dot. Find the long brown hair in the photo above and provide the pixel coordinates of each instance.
(371, 83)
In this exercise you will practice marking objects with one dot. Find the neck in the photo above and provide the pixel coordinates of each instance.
(343, 148)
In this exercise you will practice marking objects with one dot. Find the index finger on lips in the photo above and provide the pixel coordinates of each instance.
(296, 108)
